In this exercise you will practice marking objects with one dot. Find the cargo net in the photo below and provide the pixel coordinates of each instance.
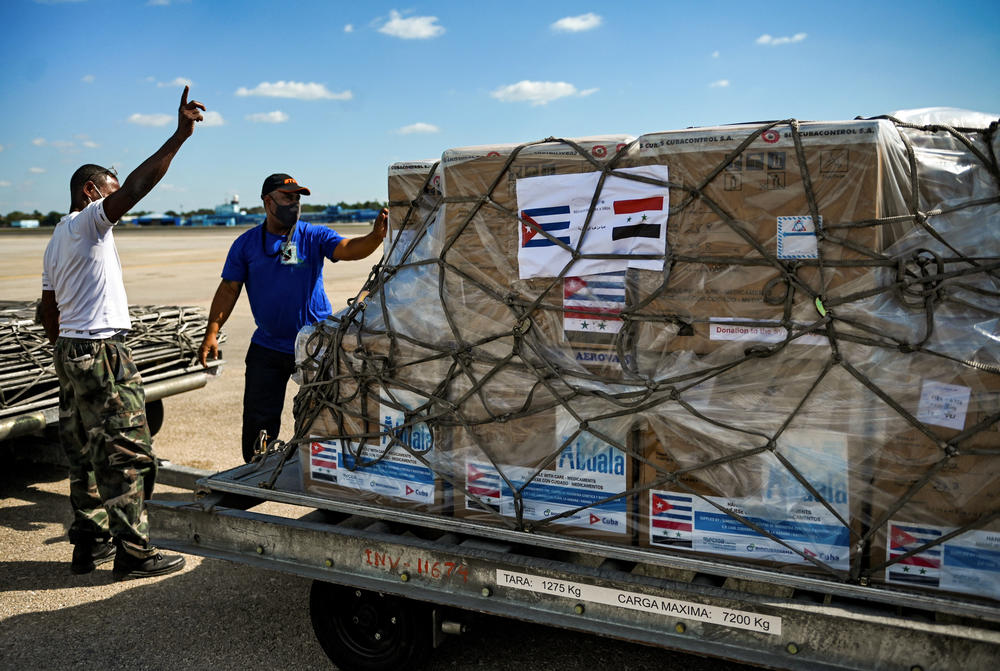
(810, 378)
(164, 340)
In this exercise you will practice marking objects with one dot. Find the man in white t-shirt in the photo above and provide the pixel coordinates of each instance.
(102, 419)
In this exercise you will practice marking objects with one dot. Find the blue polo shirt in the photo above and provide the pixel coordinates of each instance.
(283, 298)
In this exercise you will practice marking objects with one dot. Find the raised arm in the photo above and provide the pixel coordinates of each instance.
(222, 306)
(353, 249)
(142, 180)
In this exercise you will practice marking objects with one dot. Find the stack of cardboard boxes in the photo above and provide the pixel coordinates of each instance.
(364, 396)
(770, 392)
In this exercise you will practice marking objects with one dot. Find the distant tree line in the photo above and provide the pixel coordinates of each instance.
(52, 218)
(309, 207)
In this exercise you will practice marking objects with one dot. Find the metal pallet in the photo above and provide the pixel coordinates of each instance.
(736, 612)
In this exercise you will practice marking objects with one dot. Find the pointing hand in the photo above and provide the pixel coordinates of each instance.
(188, 114)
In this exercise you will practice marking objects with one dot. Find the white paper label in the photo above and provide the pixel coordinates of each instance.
(629, 219)
(943, 404)
(721, 328)
(797, 238)
(396, 473)
(737, 619)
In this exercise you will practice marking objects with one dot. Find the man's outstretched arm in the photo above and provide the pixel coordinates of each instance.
(142, 180)
(222, 306)
(354, 249)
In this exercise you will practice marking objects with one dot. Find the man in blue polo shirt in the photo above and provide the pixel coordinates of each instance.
(281, 264)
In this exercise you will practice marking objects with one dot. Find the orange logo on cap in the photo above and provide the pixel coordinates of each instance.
(290, 181)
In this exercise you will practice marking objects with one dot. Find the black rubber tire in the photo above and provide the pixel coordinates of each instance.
(368, 631)
(154, 416)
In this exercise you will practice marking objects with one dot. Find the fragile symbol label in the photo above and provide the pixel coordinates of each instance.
(726, 617)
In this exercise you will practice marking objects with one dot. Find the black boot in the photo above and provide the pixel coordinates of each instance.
(129, 566)
(88, 555)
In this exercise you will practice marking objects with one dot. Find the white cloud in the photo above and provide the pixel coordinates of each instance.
(770, 41)
(87, 79)
(413, 28)
(577, 24)
(298, 90)
(720, 84)
(65, 146)
(715, 54)
(90, 144)
(349, 28)
(158, 3)
(1, 147)
(537, 93)
(212, 118)
(277, 116)
(4, 182)
(37, 171)
(150, 79)
(173, 188)
(150, 119)
(586, 92)
(177, 82)
(419, 127)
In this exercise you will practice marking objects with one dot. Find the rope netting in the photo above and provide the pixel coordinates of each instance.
(822, 392)
(163, 339)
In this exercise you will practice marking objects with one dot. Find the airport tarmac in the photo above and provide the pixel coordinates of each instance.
(213, 614)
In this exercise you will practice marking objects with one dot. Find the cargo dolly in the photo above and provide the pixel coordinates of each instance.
(389, 583)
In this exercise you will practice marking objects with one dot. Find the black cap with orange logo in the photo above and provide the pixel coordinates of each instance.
(279, 181)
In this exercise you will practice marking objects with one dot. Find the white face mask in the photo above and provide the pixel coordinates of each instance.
(99, 193)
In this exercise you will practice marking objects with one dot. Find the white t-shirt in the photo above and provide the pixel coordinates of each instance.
(81, 266)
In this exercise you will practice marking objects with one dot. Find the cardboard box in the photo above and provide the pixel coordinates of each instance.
(748, 243)
(415, 209)
(353, 455)
(962, 488)
(689, 511)
(371, 354)
(483, 236)
(716, 458)
(534, 456)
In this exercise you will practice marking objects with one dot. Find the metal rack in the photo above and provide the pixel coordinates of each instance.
(708, 607)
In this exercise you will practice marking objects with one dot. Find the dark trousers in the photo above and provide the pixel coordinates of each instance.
(268, 372)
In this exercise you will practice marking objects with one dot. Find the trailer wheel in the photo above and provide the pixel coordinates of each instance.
(368, 631)
(154, 416)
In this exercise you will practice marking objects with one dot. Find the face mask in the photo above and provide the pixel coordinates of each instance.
(99, 193)
(287, 214)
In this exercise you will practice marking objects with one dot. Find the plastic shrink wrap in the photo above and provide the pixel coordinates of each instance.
(767, 343)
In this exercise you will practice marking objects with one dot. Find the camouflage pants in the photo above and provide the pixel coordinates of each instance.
(102, 425)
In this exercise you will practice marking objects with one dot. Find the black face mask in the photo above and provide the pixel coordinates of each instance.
(287, 214)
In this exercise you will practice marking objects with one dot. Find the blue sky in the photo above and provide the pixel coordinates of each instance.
(334, 92)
